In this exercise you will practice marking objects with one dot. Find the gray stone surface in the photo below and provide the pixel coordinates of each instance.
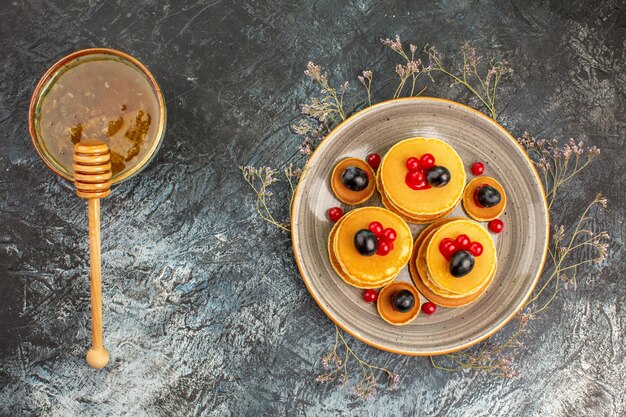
(204, 311)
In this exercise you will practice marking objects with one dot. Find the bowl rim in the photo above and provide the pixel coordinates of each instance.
(503, 322)
(58, 66)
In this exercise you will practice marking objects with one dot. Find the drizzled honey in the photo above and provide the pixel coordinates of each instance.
(101, 98)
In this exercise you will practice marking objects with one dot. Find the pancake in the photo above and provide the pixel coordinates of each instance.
(345, 277)
(386, 310)
(419, 203)
(345, 194)
(483, 213)
(416, 275)
(426, 277)
(371, 270)
(439, 267)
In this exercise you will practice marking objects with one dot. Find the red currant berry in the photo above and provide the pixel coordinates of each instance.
(412, 164)
(476, 248)
(417, 176)
(383, 248)
(389, 234)
(429, 308)
(416, 179)
(447, 247)
(374, 160)
(380, 240)
(478, 168)
(496, 225)
(427, 161)
(376, 228)
(335, 213)
(370, 296)
(463, 242)
(443, 245)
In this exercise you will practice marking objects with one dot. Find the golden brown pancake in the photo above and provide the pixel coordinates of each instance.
(370, 271)
(345, 277)
(421, 203)
(477, 212)
(436, 298)
(439, 266)
(345, 194)
(386, 310)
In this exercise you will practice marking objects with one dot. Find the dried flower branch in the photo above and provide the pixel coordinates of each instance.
(321, 113)
(366, 79)
(331, 104)
(412, 69)
(484, 87)
(335, 364)
(293, 175)
(489, 357)
(557, 164)
(567, 255)
(260, 179)
(565, 264)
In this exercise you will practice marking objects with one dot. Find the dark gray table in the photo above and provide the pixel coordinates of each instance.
(204, 311)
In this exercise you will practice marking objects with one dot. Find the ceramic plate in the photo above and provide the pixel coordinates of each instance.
(521, 246)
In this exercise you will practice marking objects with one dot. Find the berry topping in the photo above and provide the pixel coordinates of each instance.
(416, 180)
(355, 178)
(476, 248)
(461, 264)
(390, 234)
(377, 228)
(416, 177)
(487, 196)
(335, 213)
(429, 308)
(365, 242)
(463, 242)
(427, 161)
(478, 168)
(384, 238)
(412, 164)
(438, 176)
(373, 160)
(370, 296)
(496, 225)
(383, 248)
(403, 301)
(447, 247)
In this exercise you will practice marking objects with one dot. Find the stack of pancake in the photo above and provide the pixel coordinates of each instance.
(420, 206)
(368, 271)
(430, 269)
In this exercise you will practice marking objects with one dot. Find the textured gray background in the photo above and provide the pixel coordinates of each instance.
(204, 311)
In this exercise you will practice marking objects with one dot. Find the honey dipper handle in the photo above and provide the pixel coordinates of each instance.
(92, 177)
(97, 356)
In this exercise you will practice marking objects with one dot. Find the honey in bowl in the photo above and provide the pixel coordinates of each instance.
(101, 96)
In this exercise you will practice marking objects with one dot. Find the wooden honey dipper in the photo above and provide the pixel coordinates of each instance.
(92, 177)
